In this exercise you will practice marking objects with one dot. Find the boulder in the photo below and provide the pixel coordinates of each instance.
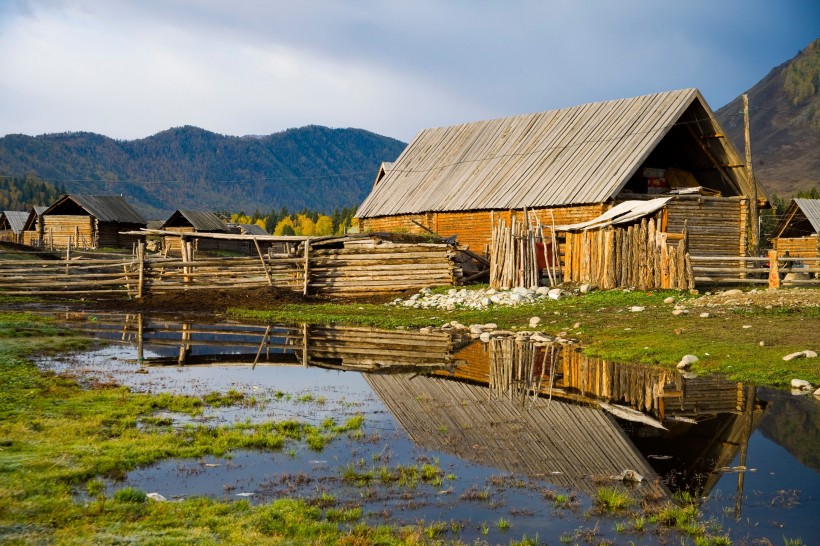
(801, 384)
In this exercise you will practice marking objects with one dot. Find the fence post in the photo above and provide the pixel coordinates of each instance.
(307, 266)
(774, 270)
(141, 267)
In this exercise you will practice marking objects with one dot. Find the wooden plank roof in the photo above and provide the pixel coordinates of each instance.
(802, 216)
(199, 220)
(105, 208)
(579, 155)
(16, 219)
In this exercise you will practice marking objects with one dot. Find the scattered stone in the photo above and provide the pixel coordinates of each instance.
(747, 326)
(156, 497)
(534, 321)
(792, 356)
(584, 288)
(687, 361)
(810, 354)
(670, 299)
(636, 308)
(801, 384)
(424, 330)
(576, 325)
(704, 315)
(734, 292)
(485, 337)
(554, 294)
(762, 343)
(678, 312)
(491, 326)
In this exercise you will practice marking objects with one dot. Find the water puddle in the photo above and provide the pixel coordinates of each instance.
(509, 431)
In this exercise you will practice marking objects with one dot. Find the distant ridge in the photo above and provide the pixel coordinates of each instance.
(784, 124)
(187, 167)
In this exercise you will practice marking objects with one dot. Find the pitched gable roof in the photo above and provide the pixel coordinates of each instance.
(579, 155)
(199, 220)
(801, 219)
(16, 219)
(105, 208)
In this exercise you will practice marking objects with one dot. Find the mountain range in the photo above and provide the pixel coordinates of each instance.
(190, 168)
(321, 168)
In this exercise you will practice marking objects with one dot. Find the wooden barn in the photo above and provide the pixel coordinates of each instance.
(570, 166)
(90, 221)
(11, 225)
(797, 232)
(192, 221)
(33, 228)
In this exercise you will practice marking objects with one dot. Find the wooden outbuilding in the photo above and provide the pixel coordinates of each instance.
(797, 232)
(566, 166)
(11, 225)
(33, 228)
(194, 221)
(90, 221)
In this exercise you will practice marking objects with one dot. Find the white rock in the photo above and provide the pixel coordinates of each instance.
(801, 384)
(534, 321)
(485, 302)
(817, 393)
(584, 288)
(539, 337)
(424, 330)
(495, 298)
(156, 496)
(670, 299)
(542, 291)
(576, 325)
(687, 361)
(636, 308)
(734, 292)
(792, 356)
(554, 294)
(762, 343)
(414, 297)
(516, 298)
(489, 292)
(678, 312)
(747, 326)
(491, 326)
(704, 315)
(485, 337)
(409, 303)
(810, 354)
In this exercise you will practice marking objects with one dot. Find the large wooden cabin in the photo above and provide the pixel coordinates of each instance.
(569, 166)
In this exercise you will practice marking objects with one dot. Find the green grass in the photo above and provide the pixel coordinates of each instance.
(609, 330)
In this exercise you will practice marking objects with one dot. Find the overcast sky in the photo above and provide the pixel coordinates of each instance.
(131, 68)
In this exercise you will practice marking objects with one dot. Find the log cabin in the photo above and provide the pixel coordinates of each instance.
(799, 230)
(193, 221)
(90, 221)
(572, 165)
(11, 225)
(33, 228)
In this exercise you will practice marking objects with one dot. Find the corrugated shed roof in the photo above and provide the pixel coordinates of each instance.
(16, 219)
(32, 216)
(105, 208)
(811, 208)
(199, 220)
(578, 155)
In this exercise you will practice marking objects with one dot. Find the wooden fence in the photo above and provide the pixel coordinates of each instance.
(361, 268)
(774, 270)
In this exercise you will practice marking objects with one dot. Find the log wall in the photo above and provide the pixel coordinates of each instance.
(58, 228)
(717, 226)
(474, 228)
(799, 247)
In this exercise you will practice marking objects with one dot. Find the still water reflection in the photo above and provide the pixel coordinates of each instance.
(517, 419)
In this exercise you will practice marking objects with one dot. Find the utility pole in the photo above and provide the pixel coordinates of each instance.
(754, 239)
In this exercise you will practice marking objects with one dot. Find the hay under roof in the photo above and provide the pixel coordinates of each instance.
(580, 155)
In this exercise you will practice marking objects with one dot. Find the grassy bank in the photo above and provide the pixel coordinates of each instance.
(728, 341)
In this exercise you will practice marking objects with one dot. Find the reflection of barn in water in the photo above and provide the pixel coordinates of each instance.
(688, 428)
(570, 445)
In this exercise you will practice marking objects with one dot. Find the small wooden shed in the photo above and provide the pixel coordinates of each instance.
(33, 228)
(569, 166)
(799, 230)
(90, 221)
(194, 221)
(11, 225)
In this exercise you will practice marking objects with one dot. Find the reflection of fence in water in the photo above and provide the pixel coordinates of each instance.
(336, 347)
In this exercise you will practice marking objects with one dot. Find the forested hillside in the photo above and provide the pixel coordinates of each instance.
(785, 124)
(187, 167)
(22, 193)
